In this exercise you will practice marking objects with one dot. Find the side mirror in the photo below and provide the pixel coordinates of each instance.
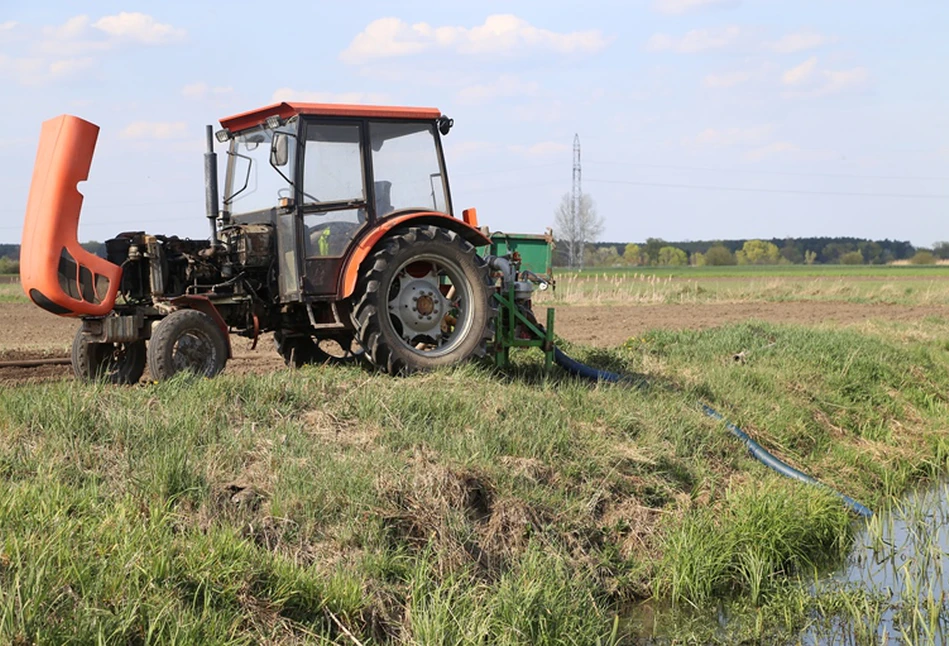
(278, 150)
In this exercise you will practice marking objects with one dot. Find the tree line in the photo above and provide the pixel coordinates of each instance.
(577, 225)
(10, 255)
(773, 251)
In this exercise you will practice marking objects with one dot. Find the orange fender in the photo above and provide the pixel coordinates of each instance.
(350, 273)
(56, 273)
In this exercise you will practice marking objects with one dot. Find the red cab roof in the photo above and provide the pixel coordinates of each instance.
(286, 110)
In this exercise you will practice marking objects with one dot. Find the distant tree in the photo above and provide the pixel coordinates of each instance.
(833, 251)
(852, 258)
(9, 265)
(941, 250)
(576, 229)
(923, 257)
(672, 256)
(719, 255)
(810, 257)
(758, 252)
(606, 257)
(871, 251)
(632, 254)
(791, 252)
(697, 259)
(651, 250)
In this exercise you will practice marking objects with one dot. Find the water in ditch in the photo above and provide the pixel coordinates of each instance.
(893, 588)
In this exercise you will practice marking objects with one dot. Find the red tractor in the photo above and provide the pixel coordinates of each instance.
(336, 225)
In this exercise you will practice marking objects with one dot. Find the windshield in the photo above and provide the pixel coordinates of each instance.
(252, 183)
(406, 167)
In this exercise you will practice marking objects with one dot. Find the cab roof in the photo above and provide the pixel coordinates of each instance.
(285, 110)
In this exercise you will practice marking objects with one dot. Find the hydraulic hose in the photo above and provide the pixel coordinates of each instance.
(574, 367)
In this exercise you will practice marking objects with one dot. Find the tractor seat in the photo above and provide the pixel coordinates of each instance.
(383, 189)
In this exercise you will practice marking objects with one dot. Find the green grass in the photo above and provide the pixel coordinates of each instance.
(462, 506)
(746, 271)
(693, 285)
(12, 292)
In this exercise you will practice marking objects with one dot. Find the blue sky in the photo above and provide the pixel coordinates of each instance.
(698, 119)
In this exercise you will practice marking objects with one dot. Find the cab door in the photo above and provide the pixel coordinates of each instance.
(333, 199)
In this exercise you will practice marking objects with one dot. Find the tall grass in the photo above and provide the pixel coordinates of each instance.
(701, 285)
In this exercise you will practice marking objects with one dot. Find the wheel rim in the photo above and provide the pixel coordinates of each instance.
(193, 351)
(430, 301)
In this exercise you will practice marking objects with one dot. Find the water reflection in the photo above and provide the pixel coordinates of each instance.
(893, 588)
(897, 566)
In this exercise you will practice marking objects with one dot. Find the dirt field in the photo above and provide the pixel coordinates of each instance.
(28, 332)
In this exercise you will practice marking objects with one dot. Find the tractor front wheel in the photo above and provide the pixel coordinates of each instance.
(423, 301)
(117, 363)
(186, 341)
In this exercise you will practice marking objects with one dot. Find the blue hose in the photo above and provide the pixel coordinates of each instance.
(574, 367)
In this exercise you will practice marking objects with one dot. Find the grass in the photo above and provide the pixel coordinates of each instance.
(903, 285)
(746, 271)
(12, 292)
(463, 506)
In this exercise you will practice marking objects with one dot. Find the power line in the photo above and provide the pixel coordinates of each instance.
(764, 172)
(708, 187)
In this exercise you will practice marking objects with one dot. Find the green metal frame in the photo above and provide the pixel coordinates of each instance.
(505, 333)
(531, 253)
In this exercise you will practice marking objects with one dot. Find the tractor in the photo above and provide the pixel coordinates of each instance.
(335, 231)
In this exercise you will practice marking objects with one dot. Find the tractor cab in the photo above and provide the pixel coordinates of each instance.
(327, 175)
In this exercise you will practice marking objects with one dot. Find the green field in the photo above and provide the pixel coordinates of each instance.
(333, 505)
(900, 285)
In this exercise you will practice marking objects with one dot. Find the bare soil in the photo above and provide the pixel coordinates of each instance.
(27, 332)
(605, 326)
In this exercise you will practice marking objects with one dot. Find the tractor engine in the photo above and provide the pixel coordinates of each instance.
(157, 268)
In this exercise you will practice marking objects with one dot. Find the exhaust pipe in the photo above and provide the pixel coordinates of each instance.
(210, 185)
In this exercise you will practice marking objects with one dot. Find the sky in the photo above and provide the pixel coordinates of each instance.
(697, 119)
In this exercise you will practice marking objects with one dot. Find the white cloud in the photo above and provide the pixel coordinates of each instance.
(799, 41)
(686, 6)
(367, 98)
(67, 66)
(463, 149)
(33, 70)
(697, 40)
(772, 149)
(541, 149)
(202, 90)
(58, 51)
(810, 80)
(752, 135)
(506, 86)
(140, 28)
(800, 74)
(155, 130)
(71, 29)
(725, 80)
(500, 34)
(841, 80)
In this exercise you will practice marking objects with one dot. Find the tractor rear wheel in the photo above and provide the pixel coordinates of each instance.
(423, 301)
(186, 340)
(117, 363)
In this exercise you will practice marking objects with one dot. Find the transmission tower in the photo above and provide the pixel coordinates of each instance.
(577, 189)
(575, 208)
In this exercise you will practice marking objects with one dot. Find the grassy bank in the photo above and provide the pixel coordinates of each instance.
(458, 507)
